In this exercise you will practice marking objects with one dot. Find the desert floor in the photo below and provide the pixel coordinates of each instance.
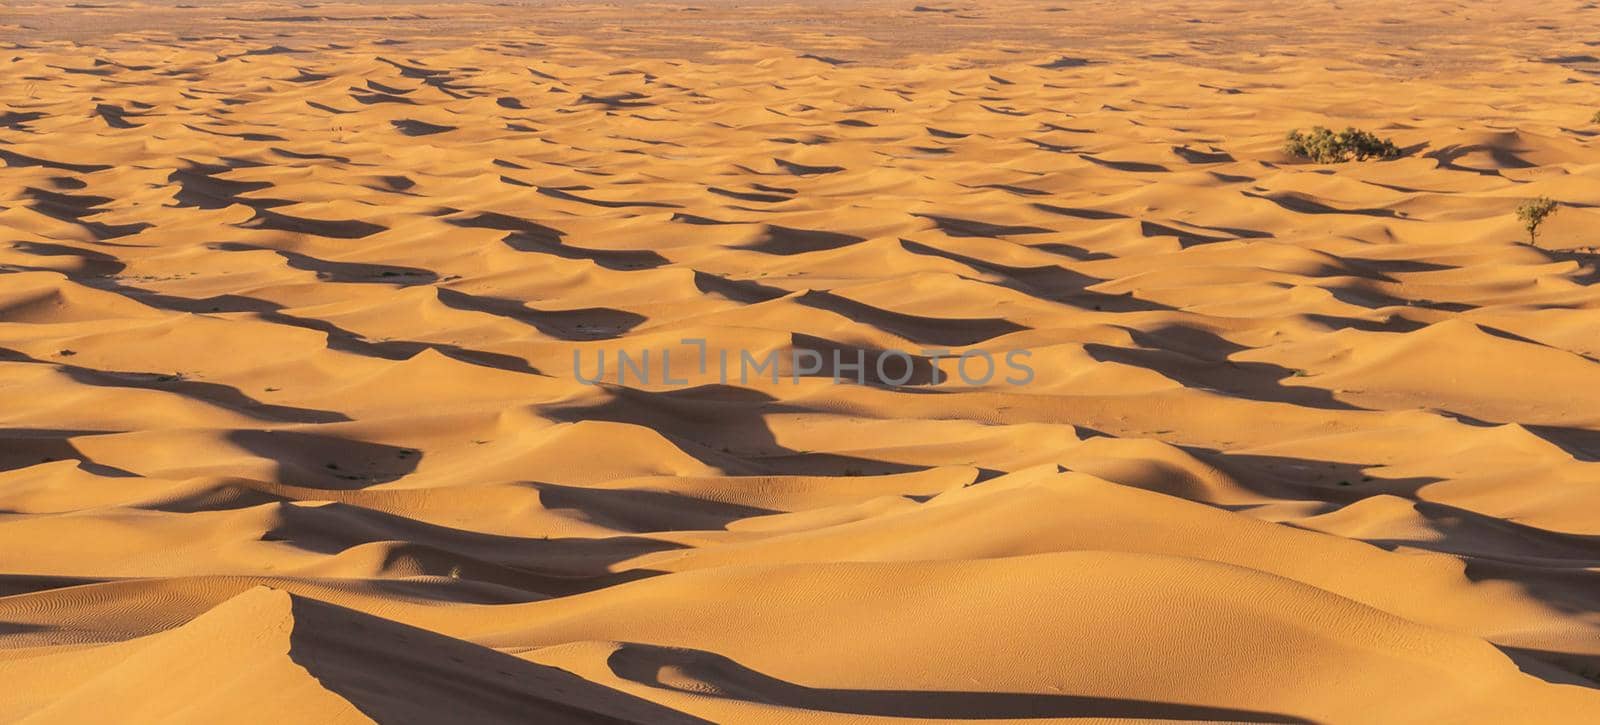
(290, 295)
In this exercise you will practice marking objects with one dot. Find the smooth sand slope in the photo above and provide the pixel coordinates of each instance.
(290, 432)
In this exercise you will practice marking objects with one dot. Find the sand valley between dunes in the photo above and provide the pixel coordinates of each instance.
(290, 295)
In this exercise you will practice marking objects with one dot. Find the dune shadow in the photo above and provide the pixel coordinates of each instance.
(1051, 283)
(640, 511)
(650, 664)
(1198, 359)
(15, 584)
(1185, 237)
(1580, 443)
(371, 97)
(331, 228)
(614, 101)
(900, 370)
(1503, 158)
(1302, 204)
(343, 340)
(922, 330)
(19, 120)
(957, 227)
(217, 394)
(1482, 538)
(413, 127)
(13, 158)
(1588, 272)
(24, 447)
(1193, 156)
(1087, 214)
(1335, 483)
(745, 291)
(322, 461)
(92, 263)
(1134, 167)
(116, 116)
(723, 426)
(604, 203)
(394, 673)
(582, 324)
(346, 272)
(530, 236)
(75, 209)
(14, 628)
(784, 241)
(1370, 297)
(554, 566)
(751, 196)
(200, 187)
(1562, 668)
(799, 169)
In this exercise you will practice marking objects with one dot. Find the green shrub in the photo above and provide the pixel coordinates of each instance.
(1595, 118)
(1533, 212)
(1332, 147)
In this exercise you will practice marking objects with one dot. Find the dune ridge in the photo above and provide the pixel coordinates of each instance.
(290, 298)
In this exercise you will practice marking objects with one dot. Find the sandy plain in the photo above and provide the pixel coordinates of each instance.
(290, 293)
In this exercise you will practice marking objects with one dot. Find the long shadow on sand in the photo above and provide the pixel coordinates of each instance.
(1554, 567)
(922, 330)
(320, 461)
(24, 447)
(643, 512)
(1199, 359)
(531, 236)
(394, 672)
(75, 209)
(722, 426)
(1052, 283)
(549, 566)
(217, 394)
(646, 664)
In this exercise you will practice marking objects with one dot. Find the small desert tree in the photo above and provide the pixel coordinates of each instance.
(1533, 213)
(1595, 118)
(1331, 147)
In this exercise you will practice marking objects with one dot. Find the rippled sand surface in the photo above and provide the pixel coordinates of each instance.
(290, 297)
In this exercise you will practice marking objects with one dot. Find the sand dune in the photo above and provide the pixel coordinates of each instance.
(301, 307)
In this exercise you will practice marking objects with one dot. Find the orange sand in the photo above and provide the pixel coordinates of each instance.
(289, 297)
